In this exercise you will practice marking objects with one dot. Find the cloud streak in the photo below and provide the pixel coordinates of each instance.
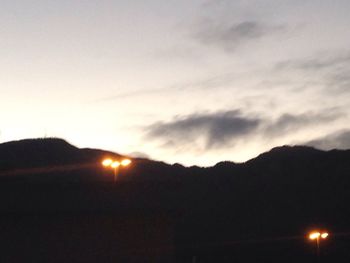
(229, 36)
(319, 62)
(331, 71)
(287, 123)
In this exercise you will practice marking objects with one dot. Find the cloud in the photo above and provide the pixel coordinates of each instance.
(287, 123)
(339, 80)
(202, 132)
(211, 130)
(316, 63)
(230, 36)
(338, 140)
(330, 71)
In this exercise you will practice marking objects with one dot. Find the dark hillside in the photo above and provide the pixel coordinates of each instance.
(59, 205)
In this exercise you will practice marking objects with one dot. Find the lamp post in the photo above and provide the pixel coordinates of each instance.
(114, 164)
(318, 236)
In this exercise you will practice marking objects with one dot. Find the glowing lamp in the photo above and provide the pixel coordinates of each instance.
(314, 235)
(125, 162)
(115, 164)
(324, 235)
(107, 162)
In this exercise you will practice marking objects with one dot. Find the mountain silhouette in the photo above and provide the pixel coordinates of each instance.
(58, 204)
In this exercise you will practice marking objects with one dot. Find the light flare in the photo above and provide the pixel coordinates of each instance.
(314, 235)
(126, 162)
(107, 162)
(324, 235)
(115, 164)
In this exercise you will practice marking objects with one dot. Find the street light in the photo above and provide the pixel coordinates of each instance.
(107, 162)
(114, 164)
(317, 235)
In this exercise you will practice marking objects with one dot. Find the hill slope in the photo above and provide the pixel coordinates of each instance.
(220, 214)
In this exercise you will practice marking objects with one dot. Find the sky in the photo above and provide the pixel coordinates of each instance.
(193, 82)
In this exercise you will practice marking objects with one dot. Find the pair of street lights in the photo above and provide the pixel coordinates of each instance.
(115, 164)
(318, 236)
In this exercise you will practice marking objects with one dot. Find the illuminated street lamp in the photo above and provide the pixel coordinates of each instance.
(114, 164)
(107, 162)
(318, 236)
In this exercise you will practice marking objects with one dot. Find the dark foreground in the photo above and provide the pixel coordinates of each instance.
(171, 222)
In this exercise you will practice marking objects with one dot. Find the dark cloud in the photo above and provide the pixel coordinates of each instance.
(230, 36)
(208, 131)
(338, 140)
(291, 122)
(215, 130)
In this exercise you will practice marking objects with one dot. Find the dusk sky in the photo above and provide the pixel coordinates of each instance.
(194, 82)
